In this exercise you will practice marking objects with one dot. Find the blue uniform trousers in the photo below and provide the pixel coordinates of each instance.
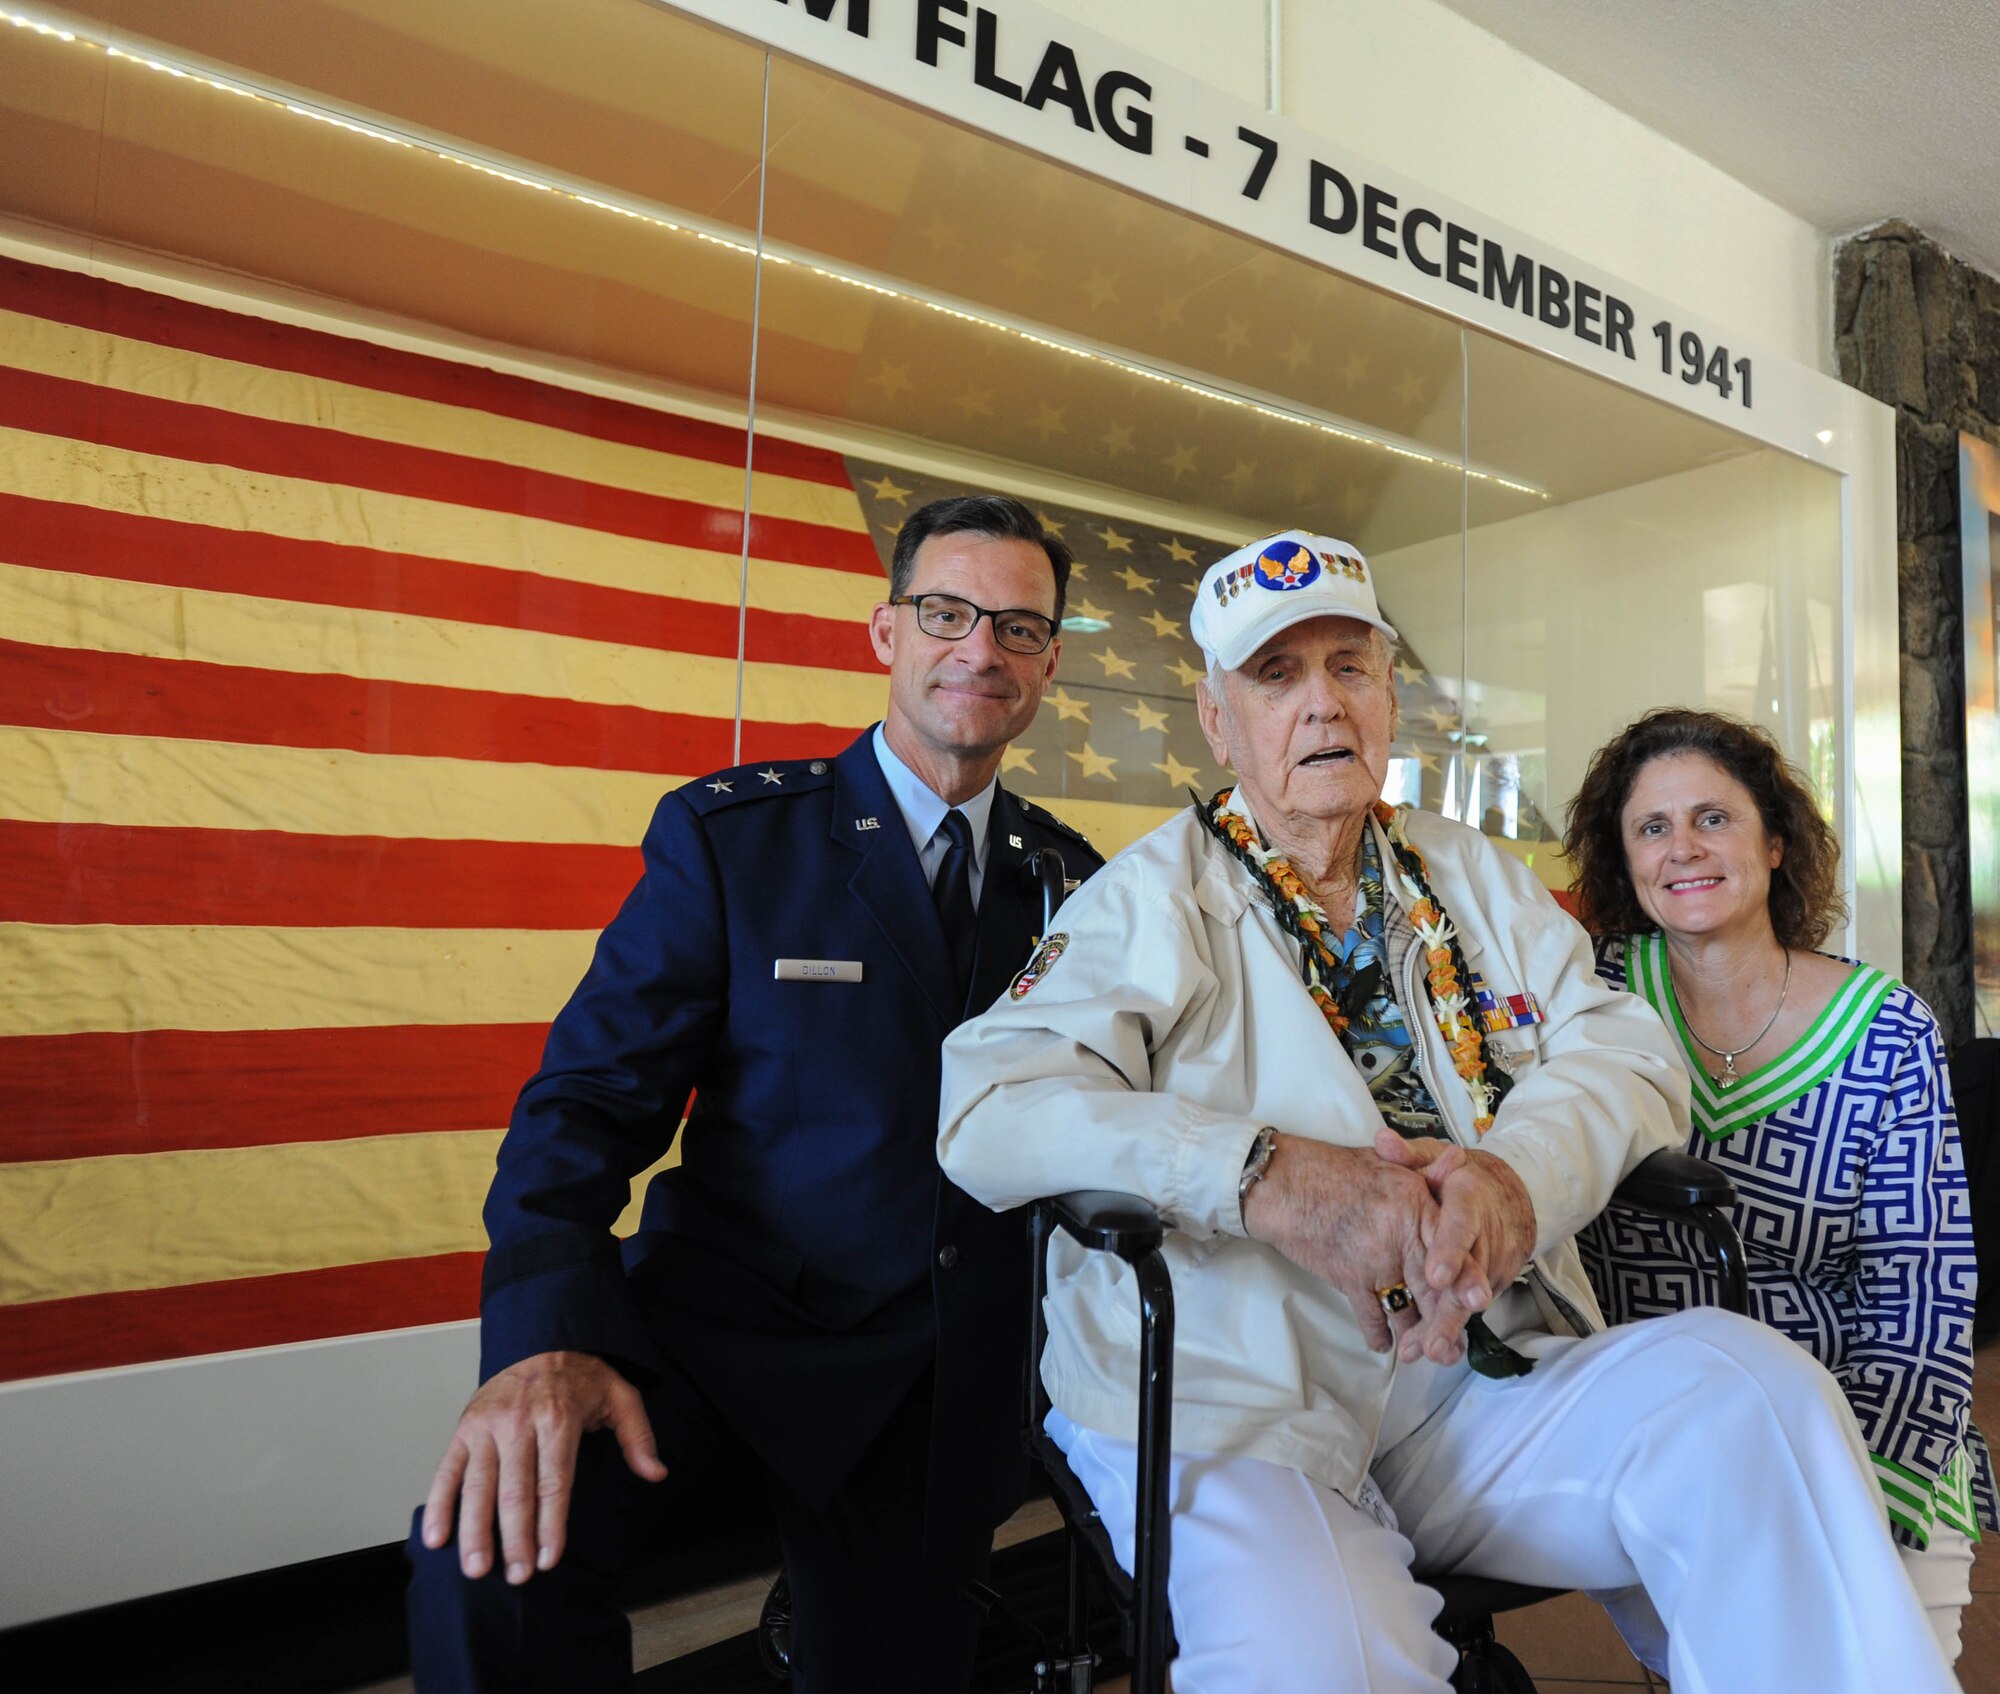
(853, 1562)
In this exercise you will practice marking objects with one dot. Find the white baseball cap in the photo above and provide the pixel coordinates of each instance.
(1269, 585)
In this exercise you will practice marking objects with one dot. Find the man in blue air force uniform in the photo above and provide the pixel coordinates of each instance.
(809, 1313)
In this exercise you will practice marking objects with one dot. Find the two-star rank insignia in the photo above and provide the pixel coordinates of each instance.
(775, 778)
(718, 786)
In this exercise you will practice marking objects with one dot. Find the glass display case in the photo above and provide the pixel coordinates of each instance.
(445, 445)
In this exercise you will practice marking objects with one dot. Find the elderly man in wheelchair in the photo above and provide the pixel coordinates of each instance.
(1361, 1064)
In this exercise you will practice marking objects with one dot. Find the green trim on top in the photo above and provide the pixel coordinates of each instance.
(1796, 1072)
(1954, 1502)
(1919, 1506)
(1910, 1500)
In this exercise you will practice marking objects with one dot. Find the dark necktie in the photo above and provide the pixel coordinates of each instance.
(951, 888)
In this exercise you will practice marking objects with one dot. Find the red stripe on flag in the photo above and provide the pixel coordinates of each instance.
(56, 535)
(97, 1331)
(163, 1090)
(109, 873)
(92, 303)
(76, 688)
(82, 411)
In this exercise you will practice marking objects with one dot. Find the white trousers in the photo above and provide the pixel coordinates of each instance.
(1701, 1457)
(1941, 1574)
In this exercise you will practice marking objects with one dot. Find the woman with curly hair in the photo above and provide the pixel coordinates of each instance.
(1702, 866)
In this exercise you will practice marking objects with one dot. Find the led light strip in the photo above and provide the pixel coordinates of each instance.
(520, 175)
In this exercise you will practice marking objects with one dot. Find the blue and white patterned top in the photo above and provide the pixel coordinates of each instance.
(1856, 1224)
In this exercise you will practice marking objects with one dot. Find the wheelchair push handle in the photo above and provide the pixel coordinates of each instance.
(1046, 872)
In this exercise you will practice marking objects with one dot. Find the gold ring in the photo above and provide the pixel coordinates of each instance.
(1395, 1298)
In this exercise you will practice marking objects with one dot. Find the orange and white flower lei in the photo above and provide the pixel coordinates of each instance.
(1312, 920)
(1450, 1003)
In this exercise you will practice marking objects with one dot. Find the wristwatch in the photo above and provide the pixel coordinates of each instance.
(1258, 1162)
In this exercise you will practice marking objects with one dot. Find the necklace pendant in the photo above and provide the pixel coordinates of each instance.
(1728, 1078)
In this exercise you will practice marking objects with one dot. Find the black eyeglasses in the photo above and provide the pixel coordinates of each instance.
(952, 619)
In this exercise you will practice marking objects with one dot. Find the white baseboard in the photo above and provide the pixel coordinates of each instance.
(120, 1483)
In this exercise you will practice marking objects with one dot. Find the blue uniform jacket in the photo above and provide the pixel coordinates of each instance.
(805, 1261)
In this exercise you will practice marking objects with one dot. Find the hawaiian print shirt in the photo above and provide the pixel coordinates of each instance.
(1377, 1038)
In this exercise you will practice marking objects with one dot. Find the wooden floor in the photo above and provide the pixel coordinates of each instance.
(1568, 1645)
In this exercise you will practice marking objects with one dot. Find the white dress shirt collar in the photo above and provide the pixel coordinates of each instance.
(924, 810)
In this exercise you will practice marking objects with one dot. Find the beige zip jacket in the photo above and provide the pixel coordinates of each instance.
(1173, 1023)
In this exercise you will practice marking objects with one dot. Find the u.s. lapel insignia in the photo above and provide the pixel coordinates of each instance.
(1014, 841)
(867, 823)
(1039, 964)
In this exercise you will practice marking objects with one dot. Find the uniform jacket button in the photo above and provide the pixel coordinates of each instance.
(947, 1256)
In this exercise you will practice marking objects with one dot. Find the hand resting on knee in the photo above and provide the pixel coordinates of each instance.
(513, 1456)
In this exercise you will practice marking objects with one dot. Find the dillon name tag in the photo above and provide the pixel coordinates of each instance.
(817, 970)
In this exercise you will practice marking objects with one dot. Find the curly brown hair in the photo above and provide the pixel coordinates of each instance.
(1805, 899)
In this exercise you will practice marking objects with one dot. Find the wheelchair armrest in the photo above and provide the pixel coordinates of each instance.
(1110, 1222)
(1674, 1181)
(1687, 1190)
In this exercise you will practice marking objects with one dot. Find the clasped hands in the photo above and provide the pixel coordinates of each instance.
(1454, 1225)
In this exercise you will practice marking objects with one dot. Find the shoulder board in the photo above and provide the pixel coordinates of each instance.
(767, 780)
(1049, 821)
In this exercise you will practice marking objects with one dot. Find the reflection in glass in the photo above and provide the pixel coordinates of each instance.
(1675, 563)
(1160, 389)
(1979, 536)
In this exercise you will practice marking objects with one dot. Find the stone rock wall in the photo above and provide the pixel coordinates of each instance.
(1920, 331)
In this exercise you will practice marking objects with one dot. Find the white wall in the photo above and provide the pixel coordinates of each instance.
(1418, 88)
(117, 1483)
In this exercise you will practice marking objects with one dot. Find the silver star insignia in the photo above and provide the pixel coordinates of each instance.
(718, 786)
(775, 778)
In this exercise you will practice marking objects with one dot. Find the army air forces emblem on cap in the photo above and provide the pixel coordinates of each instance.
(1286, 564)
(1038, 966)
